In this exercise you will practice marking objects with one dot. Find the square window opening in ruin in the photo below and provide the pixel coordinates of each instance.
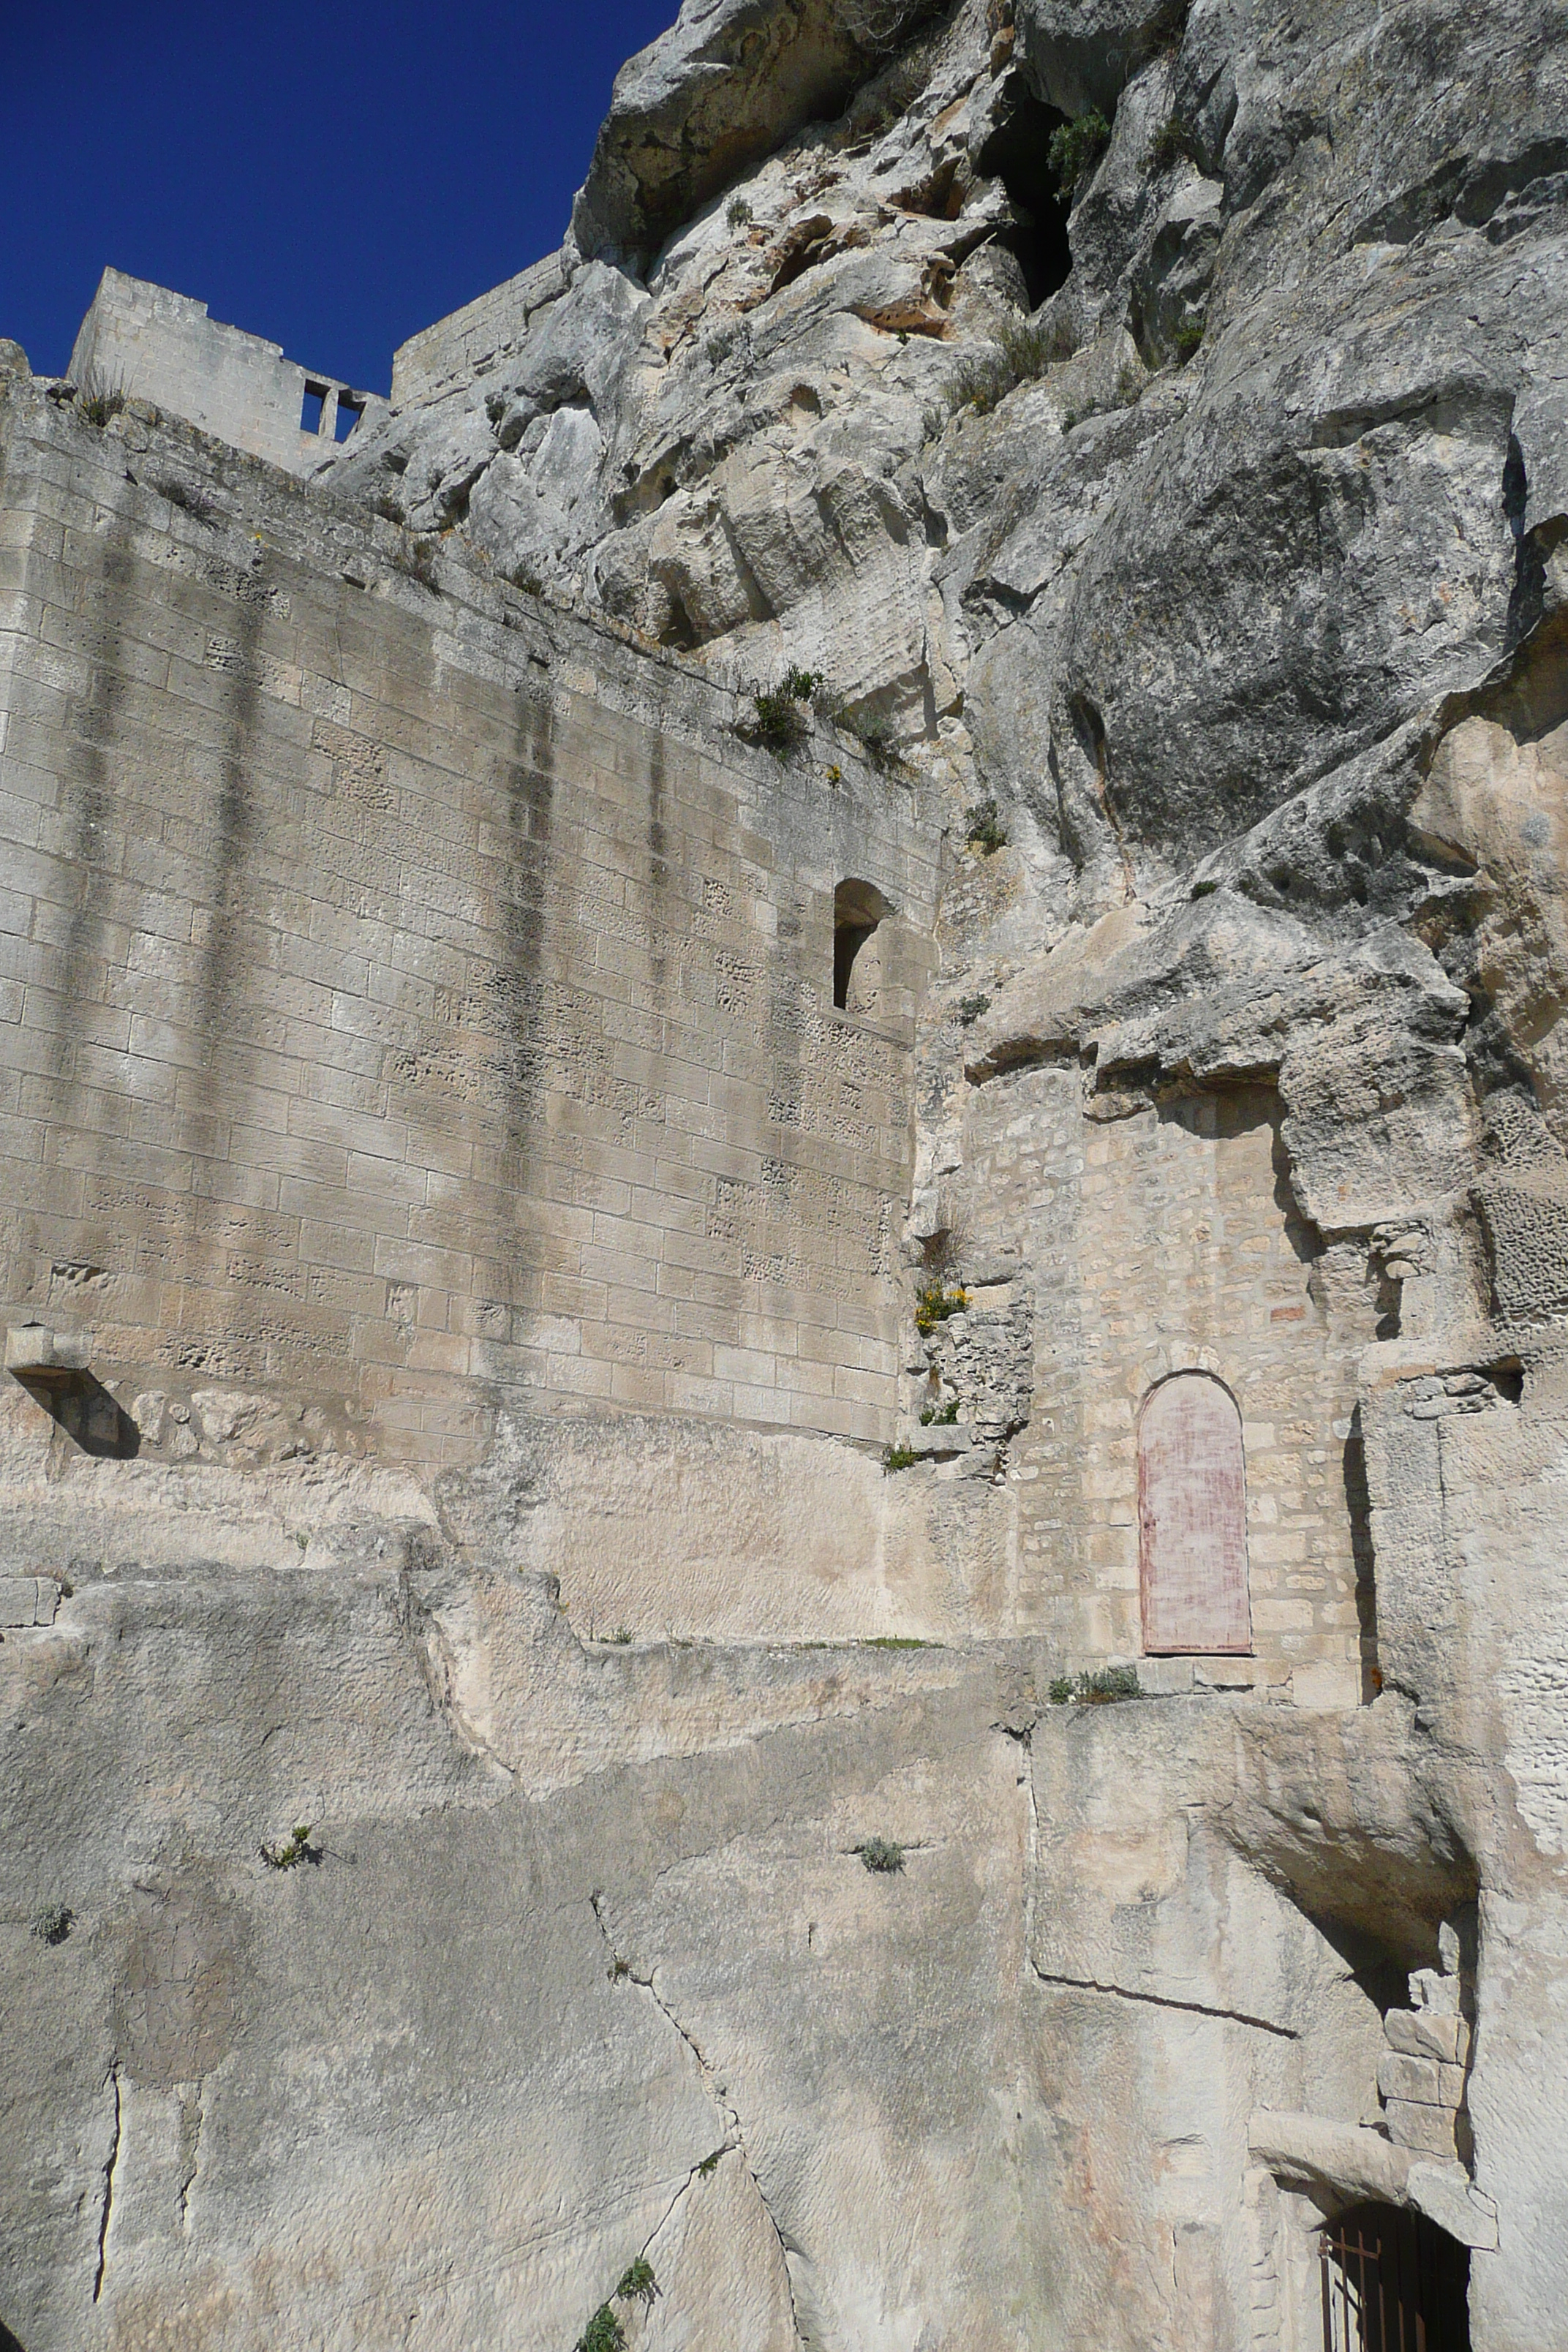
(312, 408)
(350, 411)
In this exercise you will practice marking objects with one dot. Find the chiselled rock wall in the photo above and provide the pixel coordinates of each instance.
(600, 1448)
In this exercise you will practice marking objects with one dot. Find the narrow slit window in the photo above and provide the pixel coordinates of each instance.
(350, 411)
(313, 408)
(858, 911)
(1192, 1520)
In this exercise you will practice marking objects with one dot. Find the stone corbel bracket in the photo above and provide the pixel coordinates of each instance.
(1341, 2164)
(51, 1358)
(56, 1370)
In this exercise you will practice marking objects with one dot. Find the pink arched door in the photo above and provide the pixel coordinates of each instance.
(1191, 1519)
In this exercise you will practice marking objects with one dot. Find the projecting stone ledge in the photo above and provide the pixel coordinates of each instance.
(1349, 2162)
(35, 1353)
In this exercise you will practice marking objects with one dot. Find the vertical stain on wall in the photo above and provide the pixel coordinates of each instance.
(220, 986)
(89, 791)
(519, 983)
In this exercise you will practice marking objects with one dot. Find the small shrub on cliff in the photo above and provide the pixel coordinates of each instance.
(946, 1417)
(738, 213)
(880, 1854)
(970, 1009)
(779, 726)
(638, 2283)
(1187, 338)
(983, 828)
(1170, 145)
(898, 1458)
(603, 2333)
(1075, 146)
(54, 1925)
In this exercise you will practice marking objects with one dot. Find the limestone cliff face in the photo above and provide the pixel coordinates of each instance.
(557, 1616)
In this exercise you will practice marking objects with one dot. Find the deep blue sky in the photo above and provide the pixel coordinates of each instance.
(331, 177)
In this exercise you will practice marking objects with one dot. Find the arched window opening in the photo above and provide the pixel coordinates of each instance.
(1394, 2282)
(1192, 1520)
(859, 908)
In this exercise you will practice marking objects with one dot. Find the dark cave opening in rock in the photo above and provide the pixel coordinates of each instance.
(1018, 152)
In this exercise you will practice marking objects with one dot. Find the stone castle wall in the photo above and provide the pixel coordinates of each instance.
(149, 344)
(409, 993)
(1163, 1237)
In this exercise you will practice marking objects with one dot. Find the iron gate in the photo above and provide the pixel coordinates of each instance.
(1394, 2282)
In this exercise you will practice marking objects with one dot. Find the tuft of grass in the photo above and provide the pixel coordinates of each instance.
(1170, 145)
(738, 213)
(880, 1854)
(898, 1642)
(979, 381)
(414, 557)
(524, 576)
(99, 399)
(710, 2165)
(621, 1636)
(1076, 146)
(391, 509)
(54, 1924)
(983, 828)
(875, 733)
(1104, 1688)
(898, 1458)
(1022, 351)
(970, 1009)
(943, 1419)
(1108, 1685)
(934, 1305)
(638, 2283)
(183, 494)
(292, 1851)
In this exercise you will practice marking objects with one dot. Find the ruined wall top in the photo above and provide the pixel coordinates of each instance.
(157, 345)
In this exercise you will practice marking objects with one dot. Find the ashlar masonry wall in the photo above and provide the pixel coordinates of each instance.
(1163, 1236)
(409, 997)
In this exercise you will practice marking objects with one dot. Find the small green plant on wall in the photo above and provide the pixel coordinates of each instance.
(1075, 146)
(289, 1853)
(881, 1856)
(637, 2283)
(1104, 1688)
(936, 1305)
